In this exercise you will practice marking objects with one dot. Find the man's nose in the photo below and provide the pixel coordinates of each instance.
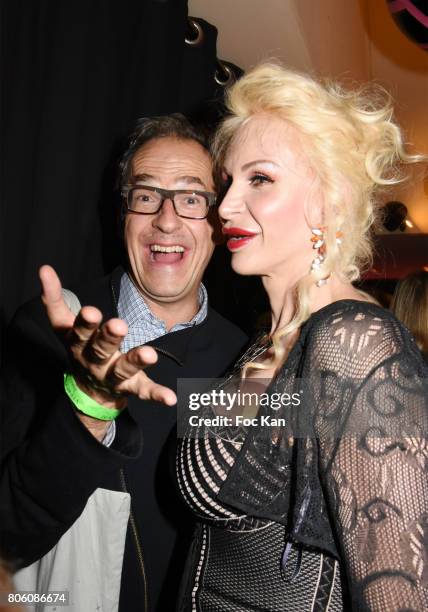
(166, 219)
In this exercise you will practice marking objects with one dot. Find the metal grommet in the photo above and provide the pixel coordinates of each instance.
(227, 71)
(197, 30)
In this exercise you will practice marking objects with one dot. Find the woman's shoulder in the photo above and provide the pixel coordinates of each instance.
(348, 331)
(350, 307)
(351, 317)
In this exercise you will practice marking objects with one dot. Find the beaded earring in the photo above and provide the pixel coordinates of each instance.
(318, 241)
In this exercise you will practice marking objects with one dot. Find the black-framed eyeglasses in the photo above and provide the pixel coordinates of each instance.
(189, 204)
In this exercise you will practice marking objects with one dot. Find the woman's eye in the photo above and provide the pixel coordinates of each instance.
(260, 179)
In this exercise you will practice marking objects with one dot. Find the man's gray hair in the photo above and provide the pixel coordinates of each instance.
(150, 128)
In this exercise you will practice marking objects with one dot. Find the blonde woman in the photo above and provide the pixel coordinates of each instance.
(326, 509)
(410, 306)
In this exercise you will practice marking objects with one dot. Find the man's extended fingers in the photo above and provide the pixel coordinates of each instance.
(142, 386)
(59, 314)
(104, 344)
(159, 393)
(132, 362)
(85, 325)
(128, 376)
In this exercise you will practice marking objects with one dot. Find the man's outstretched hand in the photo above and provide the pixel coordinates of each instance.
(100, 369)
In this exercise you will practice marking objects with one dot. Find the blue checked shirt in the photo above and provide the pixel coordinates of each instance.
(144, 326)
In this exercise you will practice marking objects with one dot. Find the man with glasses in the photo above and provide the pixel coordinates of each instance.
(77, 485)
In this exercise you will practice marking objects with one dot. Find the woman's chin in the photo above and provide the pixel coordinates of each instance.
(243, 269)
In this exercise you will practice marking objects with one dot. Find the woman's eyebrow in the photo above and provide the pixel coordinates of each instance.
(258, 161)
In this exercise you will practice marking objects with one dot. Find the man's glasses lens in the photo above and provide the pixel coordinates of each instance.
(187, 203)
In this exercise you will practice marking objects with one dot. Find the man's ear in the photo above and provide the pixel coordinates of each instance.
(214, 220)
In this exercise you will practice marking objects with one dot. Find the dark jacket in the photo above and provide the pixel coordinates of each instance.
(51, 464)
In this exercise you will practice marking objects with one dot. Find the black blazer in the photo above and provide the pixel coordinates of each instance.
(51, 464)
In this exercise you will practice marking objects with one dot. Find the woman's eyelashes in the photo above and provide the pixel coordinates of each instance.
(258, 178)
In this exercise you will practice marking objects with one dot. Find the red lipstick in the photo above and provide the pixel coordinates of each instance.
(238, 237)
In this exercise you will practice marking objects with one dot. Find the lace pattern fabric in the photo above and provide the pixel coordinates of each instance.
(355, 485)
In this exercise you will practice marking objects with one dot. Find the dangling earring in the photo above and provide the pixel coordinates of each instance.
(318, 241)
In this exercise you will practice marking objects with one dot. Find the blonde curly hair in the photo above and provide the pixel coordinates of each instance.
(352, 144)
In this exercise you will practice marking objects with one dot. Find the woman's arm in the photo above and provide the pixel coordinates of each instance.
(374, 462)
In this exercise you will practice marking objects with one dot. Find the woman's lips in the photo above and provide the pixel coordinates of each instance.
(238, 237)
(233, 244)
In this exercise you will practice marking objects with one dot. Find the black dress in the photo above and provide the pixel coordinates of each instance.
(327, 510)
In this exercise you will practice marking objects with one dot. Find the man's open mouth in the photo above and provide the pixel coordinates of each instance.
(161, 253)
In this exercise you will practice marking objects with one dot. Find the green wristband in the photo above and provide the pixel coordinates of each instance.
(86, 404)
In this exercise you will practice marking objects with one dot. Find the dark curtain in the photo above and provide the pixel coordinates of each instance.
(76, 75)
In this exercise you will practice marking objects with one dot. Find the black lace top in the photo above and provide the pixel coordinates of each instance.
(348, 475)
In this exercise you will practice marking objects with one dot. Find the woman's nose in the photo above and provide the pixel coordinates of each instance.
(232, 203)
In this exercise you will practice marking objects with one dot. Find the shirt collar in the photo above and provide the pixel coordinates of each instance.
(132, 307)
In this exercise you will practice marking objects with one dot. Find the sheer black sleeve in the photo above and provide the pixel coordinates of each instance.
(369, 397)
